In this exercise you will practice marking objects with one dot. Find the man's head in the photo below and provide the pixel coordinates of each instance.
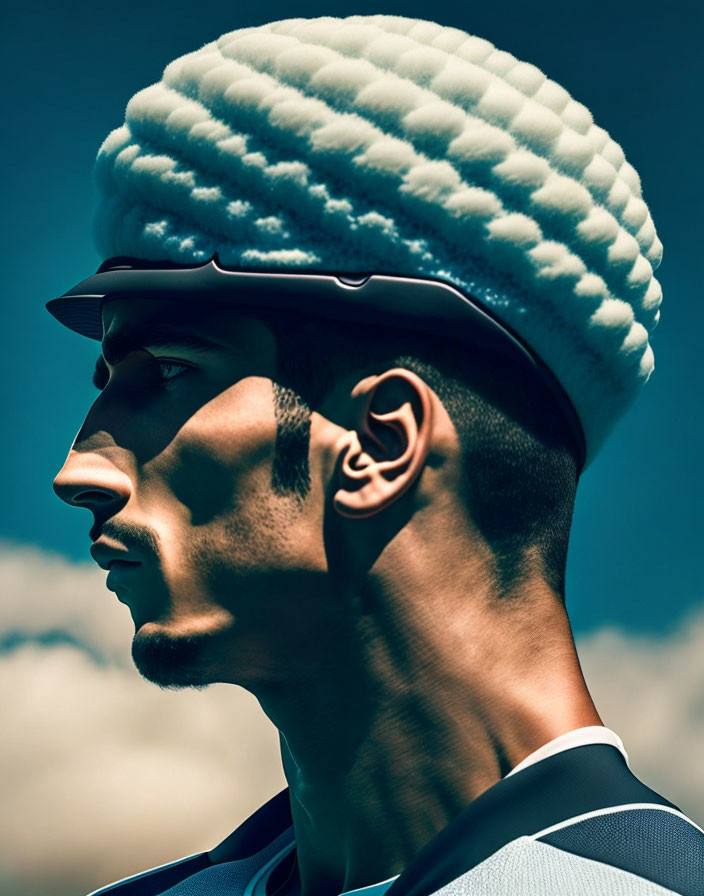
(253, 475)
(393, 145)
(242, 464)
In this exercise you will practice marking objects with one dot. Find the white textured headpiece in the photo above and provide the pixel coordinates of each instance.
(394, 145)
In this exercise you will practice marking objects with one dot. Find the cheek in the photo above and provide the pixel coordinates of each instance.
(223, 452)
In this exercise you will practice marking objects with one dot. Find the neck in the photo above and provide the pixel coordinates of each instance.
(423, 698)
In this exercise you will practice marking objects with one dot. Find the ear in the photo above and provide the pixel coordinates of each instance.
(386, 451)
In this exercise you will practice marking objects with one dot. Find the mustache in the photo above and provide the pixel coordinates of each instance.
(140, 539)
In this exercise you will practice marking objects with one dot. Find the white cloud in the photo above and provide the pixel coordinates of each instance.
(103, 774)
(44, 592)
(650, 690)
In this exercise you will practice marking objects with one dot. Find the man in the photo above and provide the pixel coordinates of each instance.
(375, 293)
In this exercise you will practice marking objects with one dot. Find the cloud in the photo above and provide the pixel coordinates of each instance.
(103, 774)
(45, 594)
(650, 690)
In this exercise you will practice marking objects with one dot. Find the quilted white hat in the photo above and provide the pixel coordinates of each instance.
(394, 145)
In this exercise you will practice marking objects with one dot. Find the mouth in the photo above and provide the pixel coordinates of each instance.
(120, 572)
(108, 553)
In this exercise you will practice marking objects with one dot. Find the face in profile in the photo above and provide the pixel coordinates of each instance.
(174, 460)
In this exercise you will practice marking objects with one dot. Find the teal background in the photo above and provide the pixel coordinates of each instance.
(69, 70)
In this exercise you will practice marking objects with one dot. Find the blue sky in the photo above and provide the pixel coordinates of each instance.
(81, 729)
(635, 551)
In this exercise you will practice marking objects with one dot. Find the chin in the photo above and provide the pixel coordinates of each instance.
(173, 660)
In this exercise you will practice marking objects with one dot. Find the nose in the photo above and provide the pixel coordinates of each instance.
(87, 480)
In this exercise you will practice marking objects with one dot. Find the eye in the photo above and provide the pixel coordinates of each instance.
(170, 369)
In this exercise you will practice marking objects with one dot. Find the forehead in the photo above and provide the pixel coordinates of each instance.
(224, 336)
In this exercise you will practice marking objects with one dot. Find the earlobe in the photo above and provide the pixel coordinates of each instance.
(397, 440)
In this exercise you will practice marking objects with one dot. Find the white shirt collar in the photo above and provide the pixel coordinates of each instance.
(579, 737)
(591, 734)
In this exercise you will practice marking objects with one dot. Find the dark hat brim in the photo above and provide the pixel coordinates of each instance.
(432, 306)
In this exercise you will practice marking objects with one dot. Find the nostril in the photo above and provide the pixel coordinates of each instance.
(76, 495)
(93, 498)
(87, 480)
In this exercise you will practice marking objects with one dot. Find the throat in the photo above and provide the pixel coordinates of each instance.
(399, 736)
(409, 777)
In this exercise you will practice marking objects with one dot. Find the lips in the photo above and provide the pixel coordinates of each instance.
(117, 560)
(106, 553)
(119, 573)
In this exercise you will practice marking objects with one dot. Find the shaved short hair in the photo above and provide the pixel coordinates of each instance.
(520, 466)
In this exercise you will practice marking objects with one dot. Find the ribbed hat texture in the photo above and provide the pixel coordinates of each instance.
(395, 145)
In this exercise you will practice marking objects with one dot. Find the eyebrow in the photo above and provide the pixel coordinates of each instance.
(117, 344)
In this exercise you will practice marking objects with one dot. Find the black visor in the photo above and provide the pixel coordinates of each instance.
(431, 306)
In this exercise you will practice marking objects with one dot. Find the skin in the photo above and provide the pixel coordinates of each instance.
(364, 618)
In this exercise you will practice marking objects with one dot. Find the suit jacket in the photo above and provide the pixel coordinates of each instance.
(577, 823)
